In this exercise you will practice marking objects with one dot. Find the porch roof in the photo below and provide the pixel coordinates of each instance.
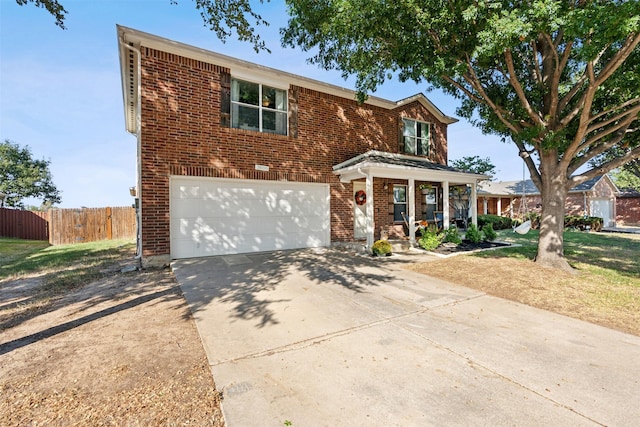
(380, 164)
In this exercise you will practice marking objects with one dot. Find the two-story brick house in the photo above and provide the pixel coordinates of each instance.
(234, 157)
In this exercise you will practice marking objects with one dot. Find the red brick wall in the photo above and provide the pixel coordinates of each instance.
(181, 135)
(628, 211)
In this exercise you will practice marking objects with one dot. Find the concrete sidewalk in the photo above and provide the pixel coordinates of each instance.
(330, 338)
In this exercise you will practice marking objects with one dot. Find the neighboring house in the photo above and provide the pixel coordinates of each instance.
(628, 208)
(234, 157)
(595, 197)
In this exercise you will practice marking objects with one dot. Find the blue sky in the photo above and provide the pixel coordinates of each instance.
(60, 90)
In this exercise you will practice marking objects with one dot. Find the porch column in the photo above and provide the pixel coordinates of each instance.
(369, 210)
(485, 205)
(412, 210)
(499, 206)
(445, 204)
(474, 198)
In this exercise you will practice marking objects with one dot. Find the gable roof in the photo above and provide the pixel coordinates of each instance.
(130, 41)
(515, 188)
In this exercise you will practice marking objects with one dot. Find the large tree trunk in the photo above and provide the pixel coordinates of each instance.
(551, 240)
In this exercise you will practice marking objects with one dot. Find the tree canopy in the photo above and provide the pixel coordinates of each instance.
(560, 79)
(222, 17)
(625, 179)
(22, 176)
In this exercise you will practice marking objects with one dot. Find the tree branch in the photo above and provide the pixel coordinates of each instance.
(519, 91)
(500, 112)
(612, 164)
(622, 124)
(577, 161)
(618, 59)
(610, 110)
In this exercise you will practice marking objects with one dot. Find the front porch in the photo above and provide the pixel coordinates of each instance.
(400, 189)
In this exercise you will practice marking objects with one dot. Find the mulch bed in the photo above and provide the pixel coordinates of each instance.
(467, 246)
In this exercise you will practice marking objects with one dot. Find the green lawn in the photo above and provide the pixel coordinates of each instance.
(64, 266)
(612, 255)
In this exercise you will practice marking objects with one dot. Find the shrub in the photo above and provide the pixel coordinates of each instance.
(489, 233)
(582, 222)
(473, 234)
(381, 248)
(451, 235)
(497, 222)
(430, 240)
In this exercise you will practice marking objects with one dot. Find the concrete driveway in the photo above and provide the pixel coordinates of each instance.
(327, 337)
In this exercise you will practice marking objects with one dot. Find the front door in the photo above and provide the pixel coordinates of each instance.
(359, 211)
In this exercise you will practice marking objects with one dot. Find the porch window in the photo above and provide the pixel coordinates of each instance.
(399, 202)
(415, 136)
(258, 107)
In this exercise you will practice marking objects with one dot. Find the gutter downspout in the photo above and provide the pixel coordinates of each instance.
(139, 146)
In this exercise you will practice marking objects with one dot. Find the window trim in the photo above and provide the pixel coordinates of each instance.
(260, 107)
(418, 140)
(405, 203)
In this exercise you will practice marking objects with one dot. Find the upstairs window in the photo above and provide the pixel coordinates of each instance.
(415, 137)
(258, 107)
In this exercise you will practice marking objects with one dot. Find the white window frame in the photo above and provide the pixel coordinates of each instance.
(396, 203)
(418, 140)
(260, 107)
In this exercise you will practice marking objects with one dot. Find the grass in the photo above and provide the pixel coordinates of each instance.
(601, 253)
(605, 290)
(19, 257)
(50, 271)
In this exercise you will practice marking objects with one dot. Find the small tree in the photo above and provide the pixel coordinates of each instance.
(22, 176)
(462, 194)
(475, 164)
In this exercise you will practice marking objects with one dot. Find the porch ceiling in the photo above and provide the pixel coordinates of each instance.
(379, 164)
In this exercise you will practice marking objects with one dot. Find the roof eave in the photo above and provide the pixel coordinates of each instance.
(128, 81)
(241, 67)
(430, 106)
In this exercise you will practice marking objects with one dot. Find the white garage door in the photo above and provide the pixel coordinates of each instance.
(216, 216)
(602, 208)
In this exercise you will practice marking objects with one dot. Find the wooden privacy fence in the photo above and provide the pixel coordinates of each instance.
(24, 224)
(63, 226)
(91, 224)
